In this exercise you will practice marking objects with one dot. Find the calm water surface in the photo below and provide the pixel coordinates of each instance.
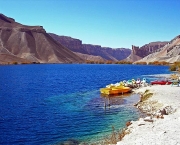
(46, 104)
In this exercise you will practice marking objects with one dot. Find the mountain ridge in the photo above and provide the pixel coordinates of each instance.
(169, 53)
(138, 53)
(32, 43)
(107, 53)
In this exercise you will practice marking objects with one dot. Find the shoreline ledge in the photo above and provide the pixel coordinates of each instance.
(161, 126)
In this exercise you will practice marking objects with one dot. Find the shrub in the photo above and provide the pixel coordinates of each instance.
(159, 63)
(25, 63)
(146, 95)
(172, 68)
(141, 63)
(15, 62)
(164, 63)
(115, 136)
(177, 63)
(90, 62)
(109, 62)
(124, 62)
(175, 66)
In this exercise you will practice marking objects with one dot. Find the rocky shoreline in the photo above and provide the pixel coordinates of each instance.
(162, 107)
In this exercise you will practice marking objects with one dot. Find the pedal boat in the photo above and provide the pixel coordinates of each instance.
(115, 90)
(161, 82)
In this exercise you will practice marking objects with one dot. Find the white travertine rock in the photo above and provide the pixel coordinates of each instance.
(164, 130)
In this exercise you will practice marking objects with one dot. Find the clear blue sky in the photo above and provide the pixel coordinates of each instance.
(109, 23)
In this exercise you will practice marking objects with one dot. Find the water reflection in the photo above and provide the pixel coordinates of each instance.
(115, 99)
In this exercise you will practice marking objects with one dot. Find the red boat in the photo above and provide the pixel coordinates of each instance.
(161, 82)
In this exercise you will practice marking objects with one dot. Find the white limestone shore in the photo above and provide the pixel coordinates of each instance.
(157, 131)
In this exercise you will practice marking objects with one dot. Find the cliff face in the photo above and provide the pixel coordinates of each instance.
(8, 58)
(140, 52)
(169, 53)
(73, 44)
(88, 57)
(105, 52)
(119, 53)
(97, 50)
(148, 48)
(31, 44)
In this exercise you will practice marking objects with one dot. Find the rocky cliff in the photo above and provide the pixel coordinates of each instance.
(31, 44)
(140, 52)
(147, 49)
(88, 57)
(96, 50)
(169, 53)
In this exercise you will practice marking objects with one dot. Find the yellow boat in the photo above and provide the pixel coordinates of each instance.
(104, 90)
(115, 90)
(112, 91)
(122, 89)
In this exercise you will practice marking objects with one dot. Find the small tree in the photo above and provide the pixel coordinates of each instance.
(15, 62)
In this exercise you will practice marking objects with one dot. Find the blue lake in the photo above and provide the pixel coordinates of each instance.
(51, 103)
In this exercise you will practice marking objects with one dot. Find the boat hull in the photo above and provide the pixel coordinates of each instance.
(115, 90)
(161, 83)
(104, 90)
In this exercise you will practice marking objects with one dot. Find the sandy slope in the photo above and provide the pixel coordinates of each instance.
(161, 131)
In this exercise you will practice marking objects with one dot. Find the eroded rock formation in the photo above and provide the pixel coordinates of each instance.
(169, 53)
(89, 49)
(30, 44)
(141, 52)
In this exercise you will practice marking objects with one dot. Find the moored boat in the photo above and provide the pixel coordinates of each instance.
(161, 82)
(104, 90)
(115, 90)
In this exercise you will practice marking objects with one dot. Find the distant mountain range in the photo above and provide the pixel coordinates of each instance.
(31, 44)
(168, 53)
(104, 53)
(25, 44)
(138, 53)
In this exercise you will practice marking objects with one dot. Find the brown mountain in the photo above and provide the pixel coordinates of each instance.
(93, 50)
(87, 57)
(169, 53)
(140, 52)
(31, 44)
(8, 58)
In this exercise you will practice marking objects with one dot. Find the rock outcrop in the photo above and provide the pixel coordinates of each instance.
(168, 53)
(106, 53)
(97, 50)
(11, 59)
(31, 44)
(141, 52)
(148, 48)
(87, 57)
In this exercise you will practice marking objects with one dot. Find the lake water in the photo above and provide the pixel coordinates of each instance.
(51, 103)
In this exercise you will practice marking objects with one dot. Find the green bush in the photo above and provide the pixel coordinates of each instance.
(146, 95)
(15, 62)
(141, 63)
(173, 67)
